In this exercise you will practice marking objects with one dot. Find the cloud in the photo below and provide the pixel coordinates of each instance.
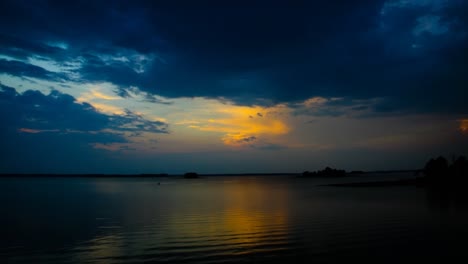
(241, 125)
(55, 152)
(208, 51)
(136, 123)
(34, 111)
(238, 139)
(18, 68)
(430, 24)
(55, 133)
(433, 5)
(347, 107)
(20, 48)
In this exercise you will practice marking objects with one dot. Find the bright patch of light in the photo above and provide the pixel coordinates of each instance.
(100, 95)
(108, 108)
(238, 124)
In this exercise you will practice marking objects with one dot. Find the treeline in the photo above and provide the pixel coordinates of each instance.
(441, 171)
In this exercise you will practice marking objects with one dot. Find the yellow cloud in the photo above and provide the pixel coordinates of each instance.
(238, 139)
(101, 91)
(109, 109)
(98, 94)
(315, 101)
(242, 124)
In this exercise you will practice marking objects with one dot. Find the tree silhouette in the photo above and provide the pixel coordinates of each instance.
(436, 168)
(438, 171)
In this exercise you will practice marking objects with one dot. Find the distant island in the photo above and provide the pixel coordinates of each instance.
(436, 172)
(327, 172)
(191, 175)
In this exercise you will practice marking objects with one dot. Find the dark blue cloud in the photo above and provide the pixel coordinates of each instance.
(18, 68)
(414, 52)
(55, 133)
(22, 48)
(136, 123)
(34, 110)
(40, 133)
(55, 152)
(58, 111)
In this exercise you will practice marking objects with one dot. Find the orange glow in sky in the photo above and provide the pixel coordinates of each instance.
(464, 125)
(242, 125)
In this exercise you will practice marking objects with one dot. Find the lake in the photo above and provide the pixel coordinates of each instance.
(220, 219)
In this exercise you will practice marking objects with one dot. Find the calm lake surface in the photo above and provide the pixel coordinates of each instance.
(263, 219)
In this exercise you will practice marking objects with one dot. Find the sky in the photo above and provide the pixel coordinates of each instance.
(231, 87)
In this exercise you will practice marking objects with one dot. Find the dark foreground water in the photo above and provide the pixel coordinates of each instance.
(225, 219)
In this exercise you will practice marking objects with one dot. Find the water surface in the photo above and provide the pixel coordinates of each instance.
(263, 219)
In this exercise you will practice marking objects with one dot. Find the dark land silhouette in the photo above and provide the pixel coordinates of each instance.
(191, 175)
(327, 172)
(437, 174)
(90, 175)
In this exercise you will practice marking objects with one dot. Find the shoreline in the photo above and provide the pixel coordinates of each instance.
(159, 175)
(418, 182)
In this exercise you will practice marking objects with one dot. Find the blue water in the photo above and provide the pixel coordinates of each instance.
(263, 219)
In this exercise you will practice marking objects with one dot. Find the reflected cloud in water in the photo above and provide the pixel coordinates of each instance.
(204, 218)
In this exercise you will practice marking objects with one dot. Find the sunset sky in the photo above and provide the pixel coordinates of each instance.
(257, 86)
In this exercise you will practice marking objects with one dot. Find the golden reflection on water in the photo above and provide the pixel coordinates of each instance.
(464, 126)
(254, 209)
(232, 216)
(244, 209)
